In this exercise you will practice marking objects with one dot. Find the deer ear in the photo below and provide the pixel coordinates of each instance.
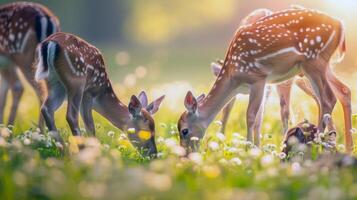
(143, 98)
(200, 98)
(216, 68)
(190, 102)
(154, 106)
(134, 106)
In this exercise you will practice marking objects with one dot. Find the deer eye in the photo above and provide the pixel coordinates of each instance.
(184, 131)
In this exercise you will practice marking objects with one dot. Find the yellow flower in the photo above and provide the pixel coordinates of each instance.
(211, 171)
(144, 135)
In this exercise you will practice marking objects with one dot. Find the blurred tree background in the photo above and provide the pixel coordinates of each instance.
(161, 41)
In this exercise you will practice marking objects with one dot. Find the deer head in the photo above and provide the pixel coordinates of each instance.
(141, 125)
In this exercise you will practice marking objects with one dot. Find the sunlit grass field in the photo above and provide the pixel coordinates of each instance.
(108, 167)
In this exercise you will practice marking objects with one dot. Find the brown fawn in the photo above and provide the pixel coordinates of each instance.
(282, 88)
(22, 26)
(76, 69)
(272, 50)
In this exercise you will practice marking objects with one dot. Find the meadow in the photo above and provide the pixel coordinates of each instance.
(108, 167)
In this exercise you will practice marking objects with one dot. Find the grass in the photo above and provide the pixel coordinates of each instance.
(227, 167)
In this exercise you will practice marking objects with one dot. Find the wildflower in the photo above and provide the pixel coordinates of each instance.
(214, 146)
(295, 168)
(219, 123)
(266, 160)
(222, 161)
(3, 142)
(195, 157)
(220, 136)
(236, 161)
(255, 152)
(179, 151)
(169, 142)
(282, 155)
(27, 141)
(160, 182)
(235, 142)
(160, 140)
(131, 130)
(5, 132)
(106, 147)
(111, 134)
(211, 171)
(341, 147)
(144, 135)
(232, 150)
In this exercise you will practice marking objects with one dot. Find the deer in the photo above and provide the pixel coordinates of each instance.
(282, 88)
(73, 68)
(271, 50)
(22, 26)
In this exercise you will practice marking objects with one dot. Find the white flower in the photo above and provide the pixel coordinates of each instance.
(236, 161)
(131, 130)
(295, 168)
(255, 152)
(222, 161)
(179, 151)
(214, 146)
(282, 155)
(111, 134)
(266, 160)
(353, 130)
(170, 142)
(219, 123)
(235, 142)
(195, 157)
(160, 140)
(5, 132)
(27, 141)
(233, 150)
(341, 147)
(3, 142)
(221, 136)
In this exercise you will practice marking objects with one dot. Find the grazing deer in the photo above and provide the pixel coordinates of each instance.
(272, 50)
(282, 88)
(76, 69)
(22, 26)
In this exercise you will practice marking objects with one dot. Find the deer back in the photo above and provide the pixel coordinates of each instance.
(21, 22)
(307, 33)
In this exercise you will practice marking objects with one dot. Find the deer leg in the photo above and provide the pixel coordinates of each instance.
(305, 86)
(86, 113)
(17, 90)
(29, 75)
(256, 96)
(343, 94)
(53, 101)
(259, 118)
(225, 114)
(284, 90)
(4, 88)
(74, 102)
(316, 71)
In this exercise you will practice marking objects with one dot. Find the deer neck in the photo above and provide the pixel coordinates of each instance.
(109, 106)
(223, 90)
